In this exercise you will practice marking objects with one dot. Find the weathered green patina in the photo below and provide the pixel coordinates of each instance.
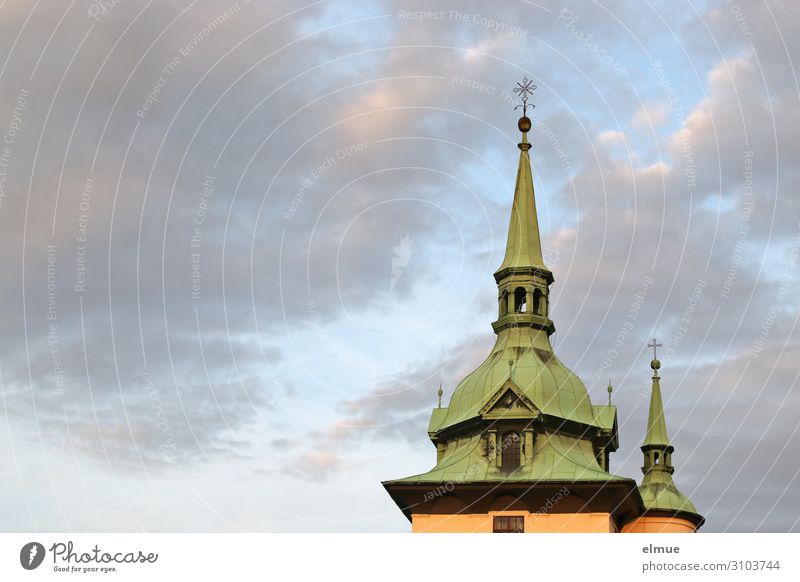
(656, 423)
(524, 246)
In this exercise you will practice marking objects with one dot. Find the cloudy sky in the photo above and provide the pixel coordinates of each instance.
(244, 242)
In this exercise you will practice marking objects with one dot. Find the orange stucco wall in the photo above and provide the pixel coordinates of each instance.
(659, 525)
(534, 522)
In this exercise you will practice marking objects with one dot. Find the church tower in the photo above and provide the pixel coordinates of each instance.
(667, 510)
(521, 447)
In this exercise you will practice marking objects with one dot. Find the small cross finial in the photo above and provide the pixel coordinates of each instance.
(655, 364)
(523, 90)
(655, 345)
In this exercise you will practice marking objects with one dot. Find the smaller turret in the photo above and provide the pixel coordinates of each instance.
(656, 447)
(667, 510)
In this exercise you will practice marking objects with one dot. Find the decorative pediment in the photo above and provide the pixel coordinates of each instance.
(509, 402)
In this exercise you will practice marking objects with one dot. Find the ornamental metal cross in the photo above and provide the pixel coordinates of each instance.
(523, 90)
(655, 346)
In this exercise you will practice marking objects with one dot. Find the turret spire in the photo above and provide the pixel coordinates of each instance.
(523, 280)
(659, 493)
(524, 247)
(656, 423)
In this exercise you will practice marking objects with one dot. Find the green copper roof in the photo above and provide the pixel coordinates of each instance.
(537, 372)
(659, 492)
(524, 249)
(656, 424)
(556, 457)
(605, 415)
(437, 417)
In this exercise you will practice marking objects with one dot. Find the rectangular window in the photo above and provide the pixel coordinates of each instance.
(511, 452)
(509, 524)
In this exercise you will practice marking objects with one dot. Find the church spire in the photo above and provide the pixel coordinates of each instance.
(524, 247)
(656, 446)
(660, 495)
(523, 280)
(656, 423)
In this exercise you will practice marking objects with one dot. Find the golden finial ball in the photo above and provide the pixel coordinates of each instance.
(524, 124)
(655, 364)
